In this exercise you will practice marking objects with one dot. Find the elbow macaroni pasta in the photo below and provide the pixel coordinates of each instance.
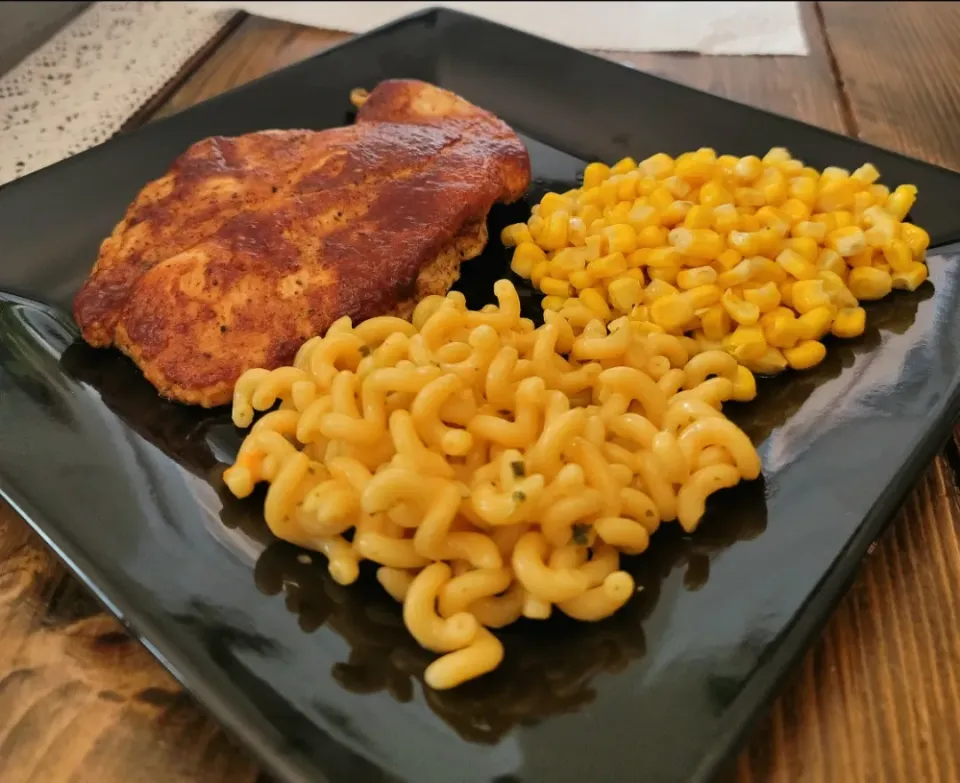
(490, 469)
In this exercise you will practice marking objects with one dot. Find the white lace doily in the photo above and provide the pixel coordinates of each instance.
(80, 87)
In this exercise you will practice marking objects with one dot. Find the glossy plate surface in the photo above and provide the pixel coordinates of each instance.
(322, 681)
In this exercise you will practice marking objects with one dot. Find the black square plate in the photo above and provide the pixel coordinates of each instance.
(323, 683)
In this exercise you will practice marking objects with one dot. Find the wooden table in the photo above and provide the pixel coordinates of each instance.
(877, 697)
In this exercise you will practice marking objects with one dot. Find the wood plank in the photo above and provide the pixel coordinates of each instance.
(900, 67)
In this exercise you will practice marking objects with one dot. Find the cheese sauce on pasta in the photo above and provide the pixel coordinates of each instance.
(491, 469)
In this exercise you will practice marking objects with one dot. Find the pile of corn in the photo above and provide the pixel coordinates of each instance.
(760, 257)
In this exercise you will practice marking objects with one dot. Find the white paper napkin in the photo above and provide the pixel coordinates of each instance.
(701, 27)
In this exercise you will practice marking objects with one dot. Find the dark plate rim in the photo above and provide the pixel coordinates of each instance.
(766, 679)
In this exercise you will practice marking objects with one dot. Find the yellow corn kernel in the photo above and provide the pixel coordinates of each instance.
(623, 166)
(553, 302)
(610, 265)
(809, 294)
(806, 247)
(635, 274)
(740, 274)
(621, 238)
(714, 194)
(535, 225)
(593, 300)
(866, 173)
(672, 312)
(638, 258)
(646, 185)
(702, 243)
(652, 236)
(912, 278)
(844, 218)
(745, 385)
(540, 270)
(766, 297)
(642, 216)
(675, 213)
(882, 265)
(513, 235)
(833, 174)
(837, 290)
(552, 202)
(589, 197)
(660, 199)
(773, 185)
(847, 241)
(807, 228)
(746, 343)
(715, 322)
(916, 238)
(627, 191)
(577, 232)
(748, 168)
(749, 197)
(803, 189)
(809, 171)
(796, 265)
(699, 275)
(774, 219)
(781, 328)
(727, 162)
(554, 234)
(699, 217)
(582, 279)
(589, 213)
(658, 166)
(703, 296)
(901, 201)
(816, 323)
(625, 293)
(566, 262)
(836, 195)
(764, 270)
(898, 255)
(668, 274)
(725, 218)
(678, 186)
(828, 219)
(879, 193)
(743, 312)
(594, 174)
(618, 213)
(594, 247)
(861, 201)
(640, 313)
(786, 291)
(805, 355)
(525, 257)
(748, 244)
(771, 363)
(831, 261)
(749, 222)
(776, 155)
(863, 258)
(795, 209)
(696, 168)
(551, 286)
(657, 289)
(849, 322)
(609, 192)
(728, 259)
(867, 283)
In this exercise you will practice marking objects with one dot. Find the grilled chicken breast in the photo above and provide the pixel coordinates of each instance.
(250, 245)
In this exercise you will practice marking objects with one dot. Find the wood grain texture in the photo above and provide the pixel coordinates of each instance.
(899, 65)
(876, 699)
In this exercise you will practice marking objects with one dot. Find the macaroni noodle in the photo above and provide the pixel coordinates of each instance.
(490, 469)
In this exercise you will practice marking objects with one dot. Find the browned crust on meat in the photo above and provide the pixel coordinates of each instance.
(248, 246)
